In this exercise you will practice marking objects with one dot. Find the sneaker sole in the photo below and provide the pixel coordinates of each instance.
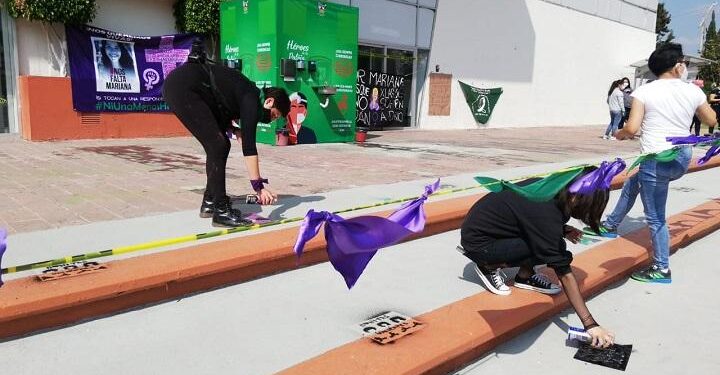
(488, 285)
(206, 215)
(655, 281)
(536, 289)
(604, 235)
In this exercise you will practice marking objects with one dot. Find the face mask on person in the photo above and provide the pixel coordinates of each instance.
(684, 74)
(300, 118)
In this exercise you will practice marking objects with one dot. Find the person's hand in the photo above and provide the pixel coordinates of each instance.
(601, 338)
(572, 234)
(266, 196)
(621, 135)
(238, 134)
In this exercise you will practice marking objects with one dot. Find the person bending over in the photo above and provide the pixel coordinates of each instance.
(206, 98)
(506, 229)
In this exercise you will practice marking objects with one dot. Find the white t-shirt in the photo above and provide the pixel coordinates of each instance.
(669, 108)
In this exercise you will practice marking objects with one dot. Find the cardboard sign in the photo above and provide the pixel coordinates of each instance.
(69, 270)
(388, 327)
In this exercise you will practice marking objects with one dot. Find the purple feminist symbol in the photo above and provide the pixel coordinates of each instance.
(167, 55)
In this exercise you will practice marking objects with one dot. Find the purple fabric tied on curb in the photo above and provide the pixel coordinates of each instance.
(3, 247)
(711, 153)
(689, 140)
(600, 178)
(352, 243)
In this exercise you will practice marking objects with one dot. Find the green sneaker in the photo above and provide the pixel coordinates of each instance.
(604, 232)
(653, 274)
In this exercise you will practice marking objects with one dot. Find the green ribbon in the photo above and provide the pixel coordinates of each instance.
(665, 156)
(541, 190)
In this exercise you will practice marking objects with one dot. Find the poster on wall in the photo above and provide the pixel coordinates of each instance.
(481, 101)
(114, 72)
(380, 99)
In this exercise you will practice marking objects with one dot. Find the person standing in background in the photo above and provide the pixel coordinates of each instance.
(714, 101)
(627, 99)
(617, 109)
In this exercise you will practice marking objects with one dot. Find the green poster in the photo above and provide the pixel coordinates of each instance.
(481, 101)
(321, 40)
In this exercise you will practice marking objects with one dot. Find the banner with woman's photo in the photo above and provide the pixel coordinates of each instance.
(114, 72)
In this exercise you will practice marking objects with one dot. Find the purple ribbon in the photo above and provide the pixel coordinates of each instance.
(352, 243)
(689, 140)
(3, 247)
(598, 179)
(712, 152)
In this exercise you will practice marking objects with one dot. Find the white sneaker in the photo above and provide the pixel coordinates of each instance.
(605, 137)
(494, 281)
(539, 283)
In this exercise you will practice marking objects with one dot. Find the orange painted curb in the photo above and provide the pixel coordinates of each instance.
(28, 305)
(463, 331)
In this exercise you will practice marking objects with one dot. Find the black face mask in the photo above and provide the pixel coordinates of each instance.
(265, 116)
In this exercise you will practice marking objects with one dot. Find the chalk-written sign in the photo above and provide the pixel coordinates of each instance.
(380, 99)
(388, 327)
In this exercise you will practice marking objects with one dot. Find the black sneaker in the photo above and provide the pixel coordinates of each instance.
(653, 274)
(226, 216)
(538, 283)
(207, 208)
(494, 281)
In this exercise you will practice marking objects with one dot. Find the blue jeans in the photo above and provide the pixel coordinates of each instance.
(652, 182)
(615, 118)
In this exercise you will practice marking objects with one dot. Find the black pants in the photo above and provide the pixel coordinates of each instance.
(513, 252)
(696, 125)
(196, 114)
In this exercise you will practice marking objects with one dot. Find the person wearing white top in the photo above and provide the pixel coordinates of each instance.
(617, 109)
(663, 108)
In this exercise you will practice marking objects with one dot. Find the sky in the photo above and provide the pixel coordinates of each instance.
(686, 16)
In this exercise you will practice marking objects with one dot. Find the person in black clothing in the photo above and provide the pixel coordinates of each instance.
(714, 101)
(206, 98)
(506, 229)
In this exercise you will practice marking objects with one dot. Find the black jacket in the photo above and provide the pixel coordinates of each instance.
(508, 215)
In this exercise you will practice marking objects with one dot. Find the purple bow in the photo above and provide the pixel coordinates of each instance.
(3, 246)
(712, 152)
(600, 178)
(353, 242)
(689, 140)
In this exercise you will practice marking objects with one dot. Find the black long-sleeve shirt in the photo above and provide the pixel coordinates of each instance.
(241, 97)
(508, 215)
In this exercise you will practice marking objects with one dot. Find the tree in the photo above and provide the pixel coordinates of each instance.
(50, 12)
(711, 51)
(662, 30)
(199, 16)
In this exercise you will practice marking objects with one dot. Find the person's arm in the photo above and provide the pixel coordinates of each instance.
(637, 112)
(706, 114)
(600, 336)
(714, 99)
(248, 128)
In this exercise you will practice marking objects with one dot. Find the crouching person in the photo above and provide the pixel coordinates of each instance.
(505, 229)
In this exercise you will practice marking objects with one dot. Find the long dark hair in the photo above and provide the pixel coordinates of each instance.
(613, 86)
(126, 61)
(587, 208)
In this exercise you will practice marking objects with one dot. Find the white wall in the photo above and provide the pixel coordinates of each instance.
(135, 17)
(554, 64)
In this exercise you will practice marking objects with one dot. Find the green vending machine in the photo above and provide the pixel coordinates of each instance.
(307, 47)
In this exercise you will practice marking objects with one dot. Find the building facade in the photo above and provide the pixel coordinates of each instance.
(554, 60)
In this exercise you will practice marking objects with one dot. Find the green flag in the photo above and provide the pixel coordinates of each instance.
(541, 190)
(665, 156)
(481, 101)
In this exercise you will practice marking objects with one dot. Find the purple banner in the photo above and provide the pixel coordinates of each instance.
(113, 72)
